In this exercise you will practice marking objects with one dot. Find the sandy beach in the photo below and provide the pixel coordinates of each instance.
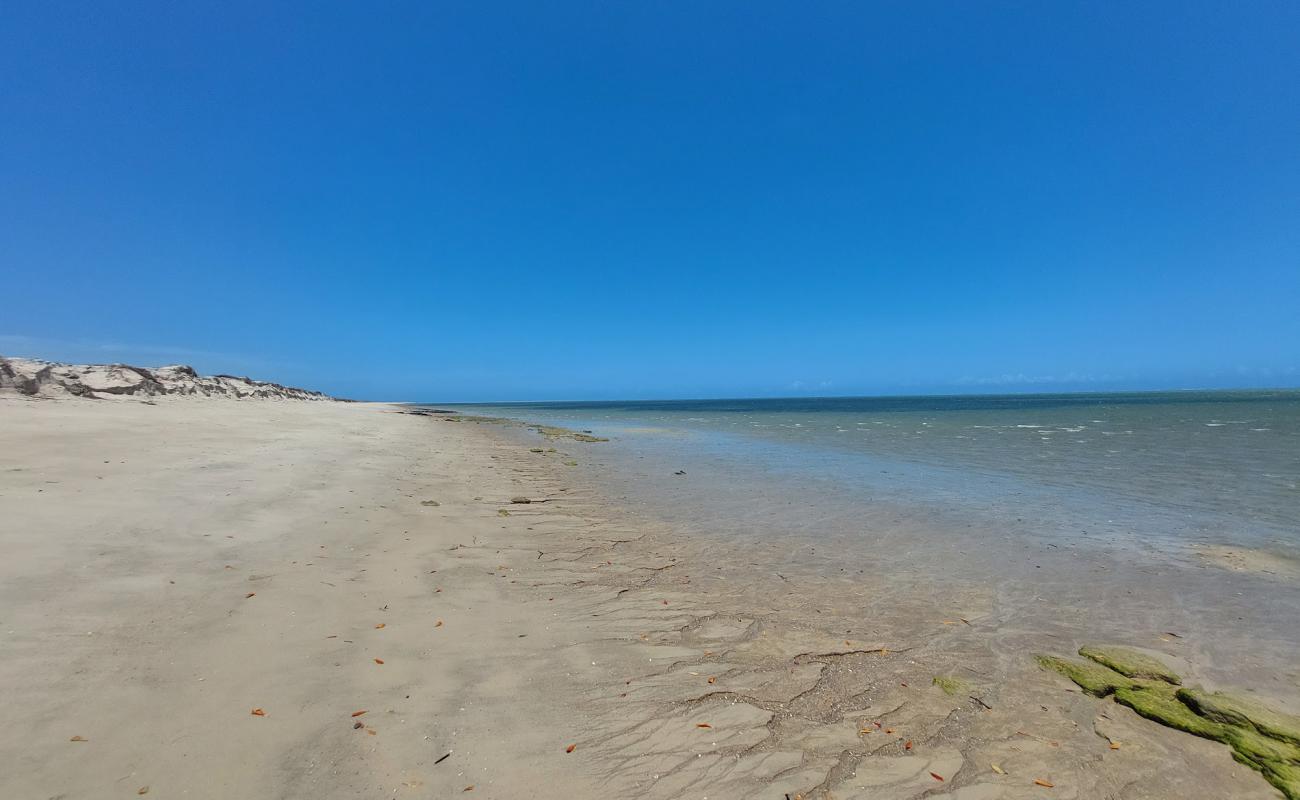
(213, 598)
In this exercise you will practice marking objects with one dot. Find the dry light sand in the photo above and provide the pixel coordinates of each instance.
(171, 567)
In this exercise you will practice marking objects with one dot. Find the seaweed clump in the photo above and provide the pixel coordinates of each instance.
(949, 684)
(1260, 737)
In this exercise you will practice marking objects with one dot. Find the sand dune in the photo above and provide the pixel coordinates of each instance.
(36, 378)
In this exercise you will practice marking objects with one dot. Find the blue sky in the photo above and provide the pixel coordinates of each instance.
(478, 201)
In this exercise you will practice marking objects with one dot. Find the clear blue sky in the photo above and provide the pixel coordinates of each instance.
(473, 201)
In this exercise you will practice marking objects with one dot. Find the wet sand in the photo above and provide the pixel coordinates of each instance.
(173, 567)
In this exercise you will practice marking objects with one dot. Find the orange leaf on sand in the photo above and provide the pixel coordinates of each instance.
(358, 713)
(469, 788)
(257, 712)
(713, 680)
(936, 776)
(1114, 745)
(908, 746)
(250, 594)
(1041, 782)
(78, 739)
(372, 731)
(570, 748)
(379, 661)
(703, 725)
(380, 625)
(438, 624)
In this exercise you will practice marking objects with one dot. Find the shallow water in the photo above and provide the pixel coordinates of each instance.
(1215, 466)
(1078, 515)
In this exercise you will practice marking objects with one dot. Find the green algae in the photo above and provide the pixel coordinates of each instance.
(1157, 702)
(1130, 662)
(1259, 748)
(949, 684)
(1234, 710)
(1094, 679)
(1285, 777)
(1260, 737)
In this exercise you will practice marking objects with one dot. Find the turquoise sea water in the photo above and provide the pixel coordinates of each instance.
(1221, 467)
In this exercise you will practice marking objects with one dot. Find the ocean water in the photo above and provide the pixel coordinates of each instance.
(1138, 469)
(1065, 518)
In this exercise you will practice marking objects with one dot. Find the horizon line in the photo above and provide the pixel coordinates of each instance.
(1252, 389)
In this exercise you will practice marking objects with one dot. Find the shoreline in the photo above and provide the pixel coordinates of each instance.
(571, 620)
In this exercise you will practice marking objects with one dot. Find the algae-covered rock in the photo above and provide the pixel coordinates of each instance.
(1286, 777)
(1130, 662)
(1259, 748)
(949, 684)
(1260, 738)
(1094, 679)
(1234, 710)
(1157, 701)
